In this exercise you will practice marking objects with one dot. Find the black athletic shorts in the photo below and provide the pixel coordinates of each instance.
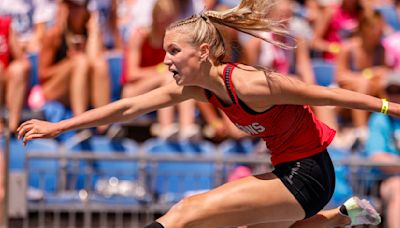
(311, 180)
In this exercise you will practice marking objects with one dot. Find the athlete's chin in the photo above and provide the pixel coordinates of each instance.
(179, 82)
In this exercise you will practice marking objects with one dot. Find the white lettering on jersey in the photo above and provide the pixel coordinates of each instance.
(252, 129)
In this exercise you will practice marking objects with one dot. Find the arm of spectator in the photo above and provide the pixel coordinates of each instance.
(15, 48)
(343, 71)
(303, 65)
(320, 29)
(393, 161)
(114, 25)
(94, 45)
(46, 66)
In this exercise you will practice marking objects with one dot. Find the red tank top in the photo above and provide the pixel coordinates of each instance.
(149, 56)
(5, 23)
(291, 132)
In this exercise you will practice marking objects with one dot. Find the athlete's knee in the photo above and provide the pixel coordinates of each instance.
(185, 212)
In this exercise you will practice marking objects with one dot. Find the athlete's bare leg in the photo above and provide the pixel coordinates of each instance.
(324, 219)
(251, 200)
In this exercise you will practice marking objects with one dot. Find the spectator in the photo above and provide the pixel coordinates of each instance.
(335, 23)
(65, 71)
(383, 145)
(104, 22)
(361, 65)
(14, 70)
(295, 62)
(134, 14)
(29, 20)
(144, 70)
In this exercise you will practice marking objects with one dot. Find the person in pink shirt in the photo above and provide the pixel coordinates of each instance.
(335, 23)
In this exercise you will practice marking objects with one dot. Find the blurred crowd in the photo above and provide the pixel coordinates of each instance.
(358, 39)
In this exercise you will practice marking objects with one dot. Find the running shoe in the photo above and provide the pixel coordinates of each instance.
(361, 212)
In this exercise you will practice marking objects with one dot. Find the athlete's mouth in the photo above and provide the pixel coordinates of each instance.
(175, 73)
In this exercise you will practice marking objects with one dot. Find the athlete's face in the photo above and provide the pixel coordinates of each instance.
(182, 57)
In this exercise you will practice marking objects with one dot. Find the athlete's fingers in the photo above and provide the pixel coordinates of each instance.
(31, 137)
(24, 130)
(24, 124)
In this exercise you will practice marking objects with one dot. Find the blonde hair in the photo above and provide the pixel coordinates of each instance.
(250, 17)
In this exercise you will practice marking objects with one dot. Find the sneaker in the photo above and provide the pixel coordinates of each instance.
(361, 212)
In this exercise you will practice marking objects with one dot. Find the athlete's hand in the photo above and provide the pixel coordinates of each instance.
(34, 129)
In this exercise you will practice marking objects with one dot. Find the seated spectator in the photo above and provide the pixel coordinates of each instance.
(66, 73)
(144, 70)
(14, 71)
(29, 20)
(336, 22)
(383, 145)
(103, 21)
(361, 65)
(133, 15)
(295, 62)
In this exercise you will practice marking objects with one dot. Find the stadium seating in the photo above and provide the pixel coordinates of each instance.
(172, 180)
(88, 172)
(43, 173)
(324, 72)
(390, 15)
(115, 70)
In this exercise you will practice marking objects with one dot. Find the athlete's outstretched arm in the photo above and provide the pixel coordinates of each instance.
(285, 90)
(119, 111)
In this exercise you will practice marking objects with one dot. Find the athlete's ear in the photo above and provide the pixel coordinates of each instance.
(204, 51)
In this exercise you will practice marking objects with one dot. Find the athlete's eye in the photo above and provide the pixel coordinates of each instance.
(174, 51)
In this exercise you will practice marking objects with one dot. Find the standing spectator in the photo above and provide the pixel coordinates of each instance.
(383, 145)
(14, 70)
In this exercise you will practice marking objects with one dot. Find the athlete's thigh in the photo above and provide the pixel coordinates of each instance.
(251, 200)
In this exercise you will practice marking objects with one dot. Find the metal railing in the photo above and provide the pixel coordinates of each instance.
(86, 207)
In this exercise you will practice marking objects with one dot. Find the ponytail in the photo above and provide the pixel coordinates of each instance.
(250, 17)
